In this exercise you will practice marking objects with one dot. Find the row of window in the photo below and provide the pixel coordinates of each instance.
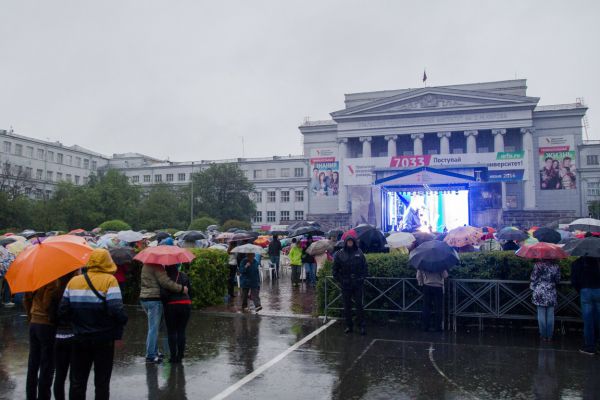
(284, 216)
(27, 173)
(41, 153)
(592, 159)
(284, 196)
(158, 178)
(283, 173)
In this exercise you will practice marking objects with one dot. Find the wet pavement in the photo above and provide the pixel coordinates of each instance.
(264, 353)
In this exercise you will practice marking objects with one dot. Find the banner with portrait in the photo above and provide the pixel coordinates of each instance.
(325, 173)
(557, 163)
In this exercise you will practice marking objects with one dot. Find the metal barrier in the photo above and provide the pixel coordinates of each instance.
(505, 299)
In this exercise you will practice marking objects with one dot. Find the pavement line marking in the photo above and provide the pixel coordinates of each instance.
(439, 370)
(260, 370)
(476, 345)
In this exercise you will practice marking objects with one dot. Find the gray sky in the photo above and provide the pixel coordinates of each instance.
(188, 79)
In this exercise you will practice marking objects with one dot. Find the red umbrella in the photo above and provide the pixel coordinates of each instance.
(542, 250)
(164, 255)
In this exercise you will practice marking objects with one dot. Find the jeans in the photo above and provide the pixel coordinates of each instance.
(6, 296)
(154, 311)
(590, 308)
(275, 261)
(353, 292)
(546, 321)
(311, 273)
(296, 274)
(88, 352)
(176, 318)
(40, 367)
(62, 360)
(432, 295)
(255, 296)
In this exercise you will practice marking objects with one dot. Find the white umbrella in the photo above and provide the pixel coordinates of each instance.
(221, 247)
(585, 224)
(319, 247)
(130, 236)
(248, 248)
(400, 239)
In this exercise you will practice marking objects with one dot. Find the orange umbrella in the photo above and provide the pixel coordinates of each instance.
(66, 238)
(43, 263)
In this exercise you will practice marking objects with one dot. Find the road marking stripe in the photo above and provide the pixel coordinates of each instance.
(438, 369)
(251, 376)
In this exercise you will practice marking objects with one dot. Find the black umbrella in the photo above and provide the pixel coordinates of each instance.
(587, 247)
(278, 233)
(192, 236)
(370, 239)
(511, 234)
(160, 236)
(336, 233)
(302, 224)
(232, 230)
(422, 237)
(307, 230)
(433, 256)
(122, 255)
(240, 236)
(6, 241)
(253, 235)
(547, 235)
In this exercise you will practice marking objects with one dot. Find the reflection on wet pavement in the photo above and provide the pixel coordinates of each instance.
(392, 361)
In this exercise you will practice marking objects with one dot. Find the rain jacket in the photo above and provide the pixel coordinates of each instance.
(153, 278)
(274, 248)
(307, 258)
(177, 276)
(434, 279)
(295, 255)
(40, 305)
(249, 274)
(91, 317)
(544, 278)
(585, 273)
(350, 265)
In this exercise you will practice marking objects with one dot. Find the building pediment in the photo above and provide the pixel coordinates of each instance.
(434, 100)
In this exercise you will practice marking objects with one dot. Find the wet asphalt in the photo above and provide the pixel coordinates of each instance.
(393, 361)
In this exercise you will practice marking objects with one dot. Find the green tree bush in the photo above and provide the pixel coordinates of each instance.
(160, 208)
(200, 224)
(208, 274)
(115, 225)
(235, 223)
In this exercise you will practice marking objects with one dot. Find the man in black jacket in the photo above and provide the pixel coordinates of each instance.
(274, 251)
(585, 278)
(350, 270)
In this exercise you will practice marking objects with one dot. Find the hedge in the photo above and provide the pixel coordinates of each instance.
(208, 276)
(503, 265)
(114, 225)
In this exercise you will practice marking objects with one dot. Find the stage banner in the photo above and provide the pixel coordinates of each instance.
(325, 178)
(557, 163)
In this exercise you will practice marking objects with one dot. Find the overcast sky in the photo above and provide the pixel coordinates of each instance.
(188, 79)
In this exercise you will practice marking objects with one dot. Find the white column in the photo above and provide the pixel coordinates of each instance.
(277, 206)
(444, 142)
(417, 143)
(305, 202)
(342, 190)
(529, 177)
(342, 148)
(471, 141)
(391, 140)
(366, 143)
(498, 139)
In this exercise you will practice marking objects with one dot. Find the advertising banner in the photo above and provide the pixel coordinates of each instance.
(325, 170)
(557, 163)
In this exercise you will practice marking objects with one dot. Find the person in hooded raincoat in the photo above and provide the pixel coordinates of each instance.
(95, 311)
(350, 270)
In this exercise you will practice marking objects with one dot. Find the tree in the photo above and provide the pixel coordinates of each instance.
(200, 224)
(161, 208)
(73, 207)
(222, 191)
(114, 225)
(118, 199)
(234, 223)
(594, 208)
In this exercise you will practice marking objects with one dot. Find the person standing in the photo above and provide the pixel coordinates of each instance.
(232, 264)
(178, 307)
(350, 270)
(153, 278)
(274, 251)
(250, 281)
(544, 278)
(310, 264)
(433, 295)
(295, 262)
(40, 307)
(63, 342)
(93, 303)
(585, 278)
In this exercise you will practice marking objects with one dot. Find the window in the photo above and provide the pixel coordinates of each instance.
(59, 158)
(78, 162)
(169, 177)
(257, 217)
(59, 176)
(592, 159)
(85, 180)
(271, 197)
(298, 172)
(285, 196)
(39, 194)
(593, 189)
(94, 165)
(77, 177)
(29, 151)
(69, 178)
(28, 172)
(69, 160)
(257, 174)
(146, 178)
(271, 173)
(39, 174)
(285, 216)
(158, 178)
(135, 179)
(40, 154)
(86, 163)
(299, 195)
(285, 172)
(270, 216)
(181, 177)
(50, 156)
(299, 215)
(18, 149)
(258, 197)
(7, 147)
(49, 176)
